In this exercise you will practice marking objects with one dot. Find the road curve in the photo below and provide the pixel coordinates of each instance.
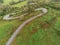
(44, 10)
(9, 17)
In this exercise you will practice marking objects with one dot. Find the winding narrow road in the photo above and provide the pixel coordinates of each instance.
(44, 10)
(9, 17)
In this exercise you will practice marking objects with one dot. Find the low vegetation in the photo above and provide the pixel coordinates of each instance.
(42, 31)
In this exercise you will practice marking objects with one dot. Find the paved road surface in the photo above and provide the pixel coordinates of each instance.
(23, 24)
(8, 17)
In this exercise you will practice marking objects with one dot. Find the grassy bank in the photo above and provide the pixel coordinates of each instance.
(42, 31)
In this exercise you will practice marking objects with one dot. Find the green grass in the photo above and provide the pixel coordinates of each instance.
(35, 33)
(6, 29)
(6, 2)
(20, 4)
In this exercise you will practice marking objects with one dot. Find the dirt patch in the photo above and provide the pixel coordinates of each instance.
(14, 42)
(44, 25)
(33, 31)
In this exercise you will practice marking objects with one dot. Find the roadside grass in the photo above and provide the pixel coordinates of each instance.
(8, 27)
(20, 4)
(34, 33)
(39, 32)
(6, 2)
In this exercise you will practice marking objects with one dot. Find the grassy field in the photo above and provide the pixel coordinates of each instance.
(42, 31)
(6, 2)
(20, 4)
(8, 27)
(39, 32)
